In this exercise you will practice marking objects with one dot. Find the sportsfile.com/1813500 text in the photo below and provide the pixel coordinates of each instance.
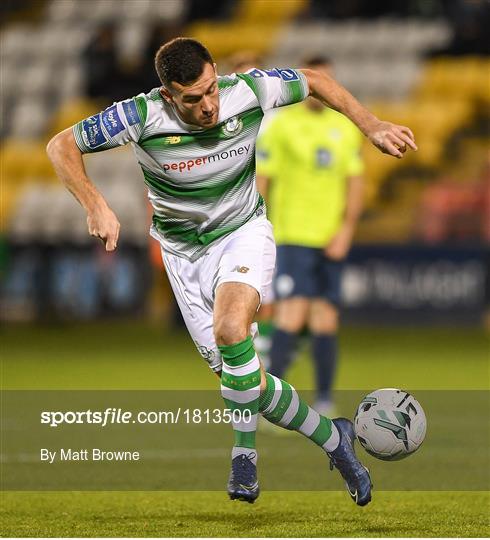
(113, 415)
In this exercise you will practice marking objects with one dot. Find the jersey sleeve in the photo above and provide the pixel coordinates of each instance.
(117, 125)
(276, 87)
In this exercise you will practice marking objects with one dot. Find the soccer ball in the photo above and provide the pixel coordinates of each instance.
(390, 424)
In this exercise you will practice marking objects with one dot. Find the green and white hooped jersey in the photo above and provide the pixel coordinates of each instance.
(201, 182)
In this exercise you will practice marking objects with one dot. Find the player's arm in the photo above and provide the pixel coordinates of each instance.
(389, 138)
(339, 246)
(67, 161)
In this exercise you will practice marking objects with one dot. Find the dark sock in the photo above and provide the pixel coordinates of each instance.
(324, 349)
(282, 351)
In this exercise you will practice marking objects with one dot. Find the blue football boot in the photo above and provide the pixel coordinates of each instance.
(344, 459)
(243, 484)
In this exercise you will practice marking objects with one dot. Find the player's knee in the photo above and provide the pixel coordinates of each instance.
(329, 329)
(324, 318)
(292, 315)
(228, 331)
(291, 327)
(291, 322)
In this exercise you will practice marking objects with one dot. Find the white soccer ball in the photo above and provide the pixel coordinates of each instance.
(390, 424)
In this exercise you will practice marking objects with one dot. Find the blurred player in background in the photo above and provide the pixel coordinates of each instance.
(194, 138)
(313, 185)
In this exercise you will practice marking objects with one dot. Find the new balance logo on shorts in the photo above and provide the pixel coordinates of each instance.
(241, 269)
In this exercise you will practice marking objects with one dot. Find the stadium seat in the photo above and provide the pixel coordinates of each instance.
(99, 11)
(136, 10)
(171, 10)
(11, 78)
(21, 159)
(64, 11)
(29, 119)
(131, 39)
(345, 43)
(27, 220)
(71, 87)
(70, 113)
(60, 41)
(37, 80)
(258, 11)
(15, 42)
(65, 212)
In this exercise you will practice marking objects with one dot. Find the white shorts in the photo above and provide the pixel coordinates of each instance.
(247, 255)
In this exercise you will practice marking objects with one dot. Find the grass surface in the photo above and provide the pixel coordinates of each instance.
(134, 356)
(293, 514)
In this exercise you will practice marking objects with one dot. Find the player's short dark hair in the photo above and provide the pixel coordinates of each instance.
(181, 60)
(316, 60)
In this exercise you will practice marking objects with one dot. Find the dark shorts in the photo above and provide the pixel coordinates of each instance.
(305, 271)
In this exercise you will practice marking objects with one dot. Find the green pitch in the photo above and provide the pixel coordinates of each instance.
(293, 514)
(134, 356)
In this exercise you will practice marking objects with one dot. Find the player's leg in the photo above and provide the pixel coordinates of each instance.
(263, 340)
(244, 272)
(292, 288)
(194, 286)
(290, 317)
(279, 402)
(194, 293)
(234, 309)
(184, 278)
(323, 325)
(281, 405)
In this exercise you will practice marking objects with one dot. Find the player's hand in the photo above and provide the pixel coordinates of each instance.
(103, 223)
(392, 139)
(339, 246)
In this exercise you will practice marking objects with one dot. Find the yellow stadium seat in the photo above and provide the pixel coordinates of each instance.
(273, 11)
(24, 159)
(72, 112)
(254, 27)
(225, 39)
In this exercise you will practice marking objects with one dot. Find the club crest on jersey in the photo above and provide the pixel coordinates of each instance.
(323, 157)
(233, 126)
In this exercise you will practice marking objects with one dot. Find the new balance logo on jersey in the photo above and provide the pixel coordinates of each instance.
(182, 166)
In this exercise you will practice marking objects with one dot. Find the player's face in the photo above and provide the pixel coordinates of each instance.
(197, 103)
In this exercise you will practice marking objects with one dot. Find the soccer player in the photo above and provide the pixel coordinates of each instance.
(313, 186)
(194, 138)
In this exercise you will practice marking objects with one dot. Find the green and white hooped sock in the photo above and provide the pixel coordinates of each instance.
(281, 405)
(240, 388)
